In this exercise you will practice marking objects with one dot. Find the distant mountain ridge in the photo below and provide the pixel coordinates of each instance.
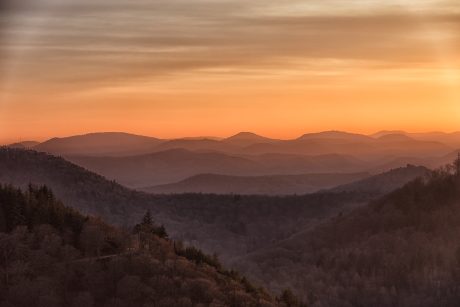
(24, 144)
(449, 138)
(173, 165)
(253, 185)
(100, 144)
(335, 135)
(326, 142)
(218, 220)
(139, 161)
(260, 235)
(197, 145)
(395, 137)
(247, 138)
(385, 182)
(164, 166)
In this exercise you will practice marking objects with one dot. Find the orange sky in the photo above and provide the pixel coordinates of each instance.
(200, 67)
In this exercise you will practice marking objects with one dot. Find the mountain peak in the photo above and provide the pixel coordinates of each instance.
(99, 143)
(246, 138)
(382, 133)
(394, 137)
(331, 134)
(245, 135)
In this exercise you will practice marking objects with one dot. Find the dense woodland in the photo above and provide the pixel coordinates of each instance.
(53, 256)
(231, 225)
(330, 248)
(401, 250)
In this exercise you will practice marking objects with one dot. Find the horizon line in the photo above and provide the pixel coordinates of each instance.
(216, 137)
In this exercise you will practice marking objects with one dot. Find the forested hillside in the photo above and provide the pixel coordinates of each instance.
(54, 256)
(272, 239)
(385, 182)
(401, 250)
(79, 188)
(231, 225)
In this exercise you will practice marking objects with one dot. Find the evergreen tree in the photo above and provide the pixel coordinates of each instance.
(457, 165)
(161, 232)
(147, 219)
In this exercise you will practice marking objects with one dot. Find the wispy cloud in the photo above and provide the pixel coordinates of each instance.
(100, 42)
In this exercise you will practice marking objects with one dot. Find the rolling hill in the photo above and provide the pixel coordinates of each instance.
(336, 136)
(139, 162)
(100, 144)
(400, 250)
(451, 139)
(287, 164)
(385, 182)
(230, 225)
(379, 145)
(262, 185)
(201, 145)
(165, 166)
(174, 165)
(263, 236)
(360, 146)
(244, 139)
(54, 256)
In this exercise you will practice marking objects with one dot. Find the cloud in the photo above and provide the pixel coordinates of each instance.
(100, 42)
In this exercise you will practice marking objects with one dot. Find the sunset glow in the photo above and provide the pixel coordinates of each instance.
(187, 68)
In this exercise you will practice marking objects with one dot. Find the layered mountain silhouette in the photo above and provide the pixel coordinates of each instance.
(251, 185)
(217, 220)
(327, 142)
(165, 166)
(357, 145)
(451, 139)
(139, 162)
(244, 139)
(178, 164)
(231, 225)
(336, 136)
(198, 145)
(399, 244)
(100, 144)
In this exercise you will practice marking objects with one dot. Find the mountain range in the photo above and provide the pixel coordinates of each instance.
(231, 225)
(381, 240)
(259, 163)
(399, 250)
(99, 144)
(383, 142)
(173, 165)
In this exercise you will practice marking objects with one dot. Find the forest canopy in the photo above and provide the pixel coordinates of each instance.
(52, 255)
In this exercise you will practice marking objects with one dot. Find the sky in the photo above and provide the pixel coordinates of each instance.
(174, 68)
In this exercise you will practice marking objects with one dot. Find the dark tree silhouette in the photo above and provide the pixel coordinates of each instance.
(54, 256)
(457, 165)
(147, 219)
